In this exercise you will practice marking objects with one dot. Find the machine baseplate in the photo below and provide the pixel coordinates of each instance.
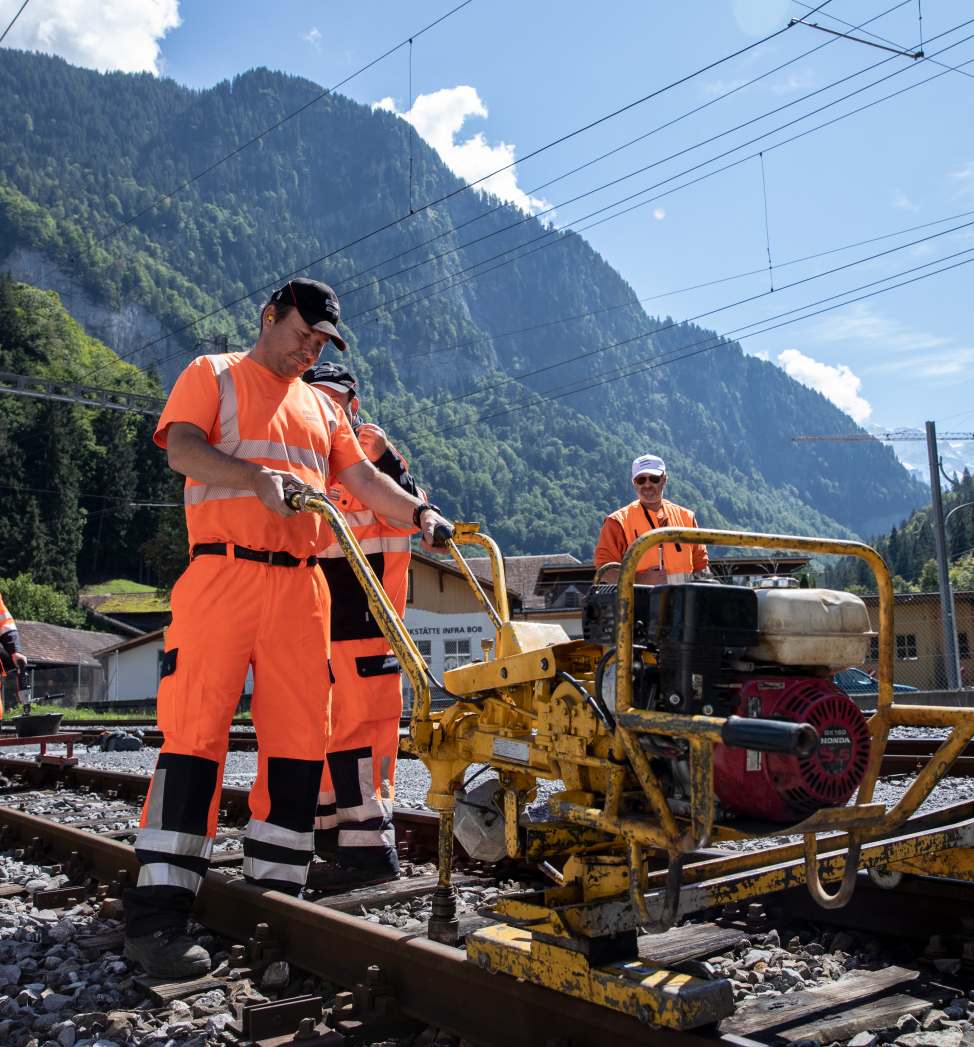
(651, 994)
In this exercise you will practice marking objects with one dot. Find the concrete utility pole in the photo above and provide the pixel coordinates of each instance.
(951, 654)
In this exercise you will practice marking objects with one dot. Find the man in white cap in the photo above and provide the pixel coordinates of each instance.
(671, 562)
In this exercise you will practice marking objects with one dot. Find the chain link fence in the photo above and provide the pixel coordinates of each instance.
(918, 639)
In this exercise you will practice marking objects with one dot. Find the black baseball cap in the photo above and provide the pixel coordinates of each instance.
(316, 302)
(333, 375)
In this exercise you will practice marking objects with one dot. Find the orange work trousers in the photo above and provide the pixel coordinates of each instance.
(358, 780)
(230, 615)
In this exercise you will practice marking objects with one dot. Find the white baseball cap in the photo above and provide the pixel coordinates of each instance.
(647, 463)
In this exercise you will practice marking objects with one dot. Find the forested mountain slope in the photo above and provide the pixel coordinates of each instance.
(85, 151)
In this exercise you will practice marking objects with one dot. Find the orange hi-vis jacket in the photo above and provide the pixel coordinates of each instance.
(6, 619)
(625, 525)
(248, 412)
(385, 545)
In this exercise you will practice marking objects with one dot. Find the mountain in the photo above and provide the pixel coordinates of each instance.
(447, 309)
(80, 491)
(955, 455)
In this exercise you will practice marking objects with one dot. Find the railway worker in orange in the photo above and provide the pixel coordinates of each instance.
(671, 562)
(242, 427)
(354, 822)
(11, 656)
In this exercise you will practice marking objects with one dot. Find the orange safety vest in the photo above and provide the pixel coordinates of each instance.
(250, 413)
(387, 549)
(676, 560)
(6, 618)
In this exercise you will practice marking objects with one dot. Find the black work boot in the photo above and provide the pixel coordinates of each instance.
(345, 872)
(170, 953)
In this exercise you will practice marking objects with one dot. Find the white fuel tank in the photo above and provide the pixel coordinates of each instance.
(823, 628)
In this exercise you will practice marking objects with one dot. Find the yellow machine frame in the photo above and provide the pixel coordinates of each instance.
(628, 871)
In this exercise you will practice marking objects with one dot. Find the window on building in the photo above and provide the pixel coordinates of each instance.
(874, 648)
(963, 645)
(455, 652)
(906, 645)
(572, 597)
(409, 586)
(425, 648)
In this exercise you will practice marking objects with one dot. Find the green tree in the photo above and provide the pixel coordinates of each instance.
(35, 602)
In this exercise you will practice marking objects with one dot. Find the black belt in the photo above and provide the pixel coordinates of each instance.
(241, 552)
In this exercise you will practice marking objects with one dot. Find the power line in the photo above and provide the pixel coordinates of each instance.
(455, 192)
(612, 152)
(278, 123)
(886, 40)
(719, 341)
(488, 387)
(10, 24)
(680, 290)
(551, 237)
(637, 171)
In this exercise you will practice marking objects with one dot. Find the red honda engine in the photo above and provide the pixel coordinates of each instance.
(785, 788)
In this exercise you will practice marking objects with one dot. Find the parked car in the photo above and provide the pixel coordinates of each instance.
(857, 682)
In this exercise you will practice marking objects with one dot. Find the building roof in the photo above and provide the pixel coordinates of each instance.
(136, 641)
(522, 574)
(46, 644)
(961, 595)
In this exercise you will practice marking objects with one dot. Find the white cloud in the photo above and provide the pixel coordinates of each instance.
(438, 118)
(793, 82)
(659, 214)
(313, 37)
(122, 35)
(903, 202)
(862, 324)
(964, 178)
(838, 384)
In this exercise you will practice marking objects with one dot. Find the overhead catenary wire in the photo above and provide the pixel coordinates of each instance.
(767, 224)
(339, 285)
(550, 236)
(11, 23)
(926, 57)
(647, 167)
(628, 107)
(655, 330)
(630, 302)
(716, 341)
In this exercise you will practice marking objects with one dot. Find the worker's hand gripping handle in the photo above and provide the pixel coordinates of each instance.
(770, 736)
(442, 533)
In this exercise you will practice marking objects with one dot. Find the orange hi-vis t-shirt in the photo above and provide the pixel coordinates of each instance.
(248, 412)
(6, 618)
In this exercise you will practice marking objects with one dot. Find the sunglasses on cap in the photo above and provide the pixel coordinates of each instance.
(644, 478)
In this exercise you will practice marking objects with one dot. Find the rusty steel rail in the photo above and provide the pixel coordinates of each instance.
(434, 983)
(417, 829)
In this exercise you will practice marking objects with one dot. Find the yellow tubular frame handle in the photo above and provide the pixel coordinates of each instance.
(392, 626)
(469, 534)
(702, 731)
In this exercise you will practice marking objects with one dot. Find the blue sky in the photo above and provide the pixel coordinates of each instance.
(500, 79)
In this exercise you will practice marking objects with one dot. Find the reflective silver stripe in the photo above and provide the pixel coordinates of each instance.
(325, 798)
(328, 409)
(287, 454)
(360, 518)
(6, 625)
(261, 870)
(266, 832)
(199, 493)
(159, 874)
(369, 546)
(367, 837)
(326, 821)
(153, 811)
(677, 578)
(171, 842)
(372, 806)
(229, 414)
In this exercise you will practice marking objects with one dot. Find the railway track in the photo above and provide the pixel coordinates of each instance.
(435, 984)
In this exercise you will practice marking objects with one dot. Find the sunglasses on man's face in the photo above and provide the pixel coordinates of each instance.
(644, 479)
